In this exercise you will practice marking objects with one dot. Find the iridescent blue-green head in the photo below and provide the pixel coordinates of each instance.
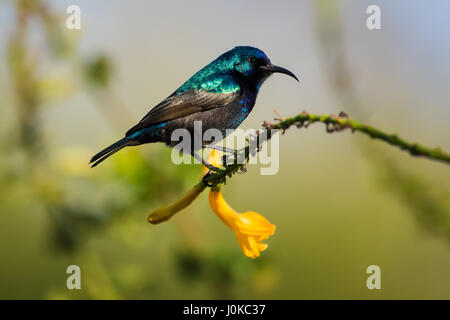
(250, 65)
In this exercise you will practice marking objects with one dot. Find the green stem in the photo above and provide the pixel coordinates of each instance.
(333, 123)
(338, 123)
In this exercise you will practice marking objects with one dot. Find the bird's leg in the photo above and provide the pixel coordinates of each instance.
(220, 148)
(205, 163)
(205, 179)
(225, 159)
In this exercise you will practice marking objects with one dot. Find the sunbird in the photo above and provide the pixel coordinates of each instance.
(220, 96)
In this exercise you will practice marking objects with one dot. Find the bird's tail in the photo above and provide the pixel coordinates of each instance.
(105, 153)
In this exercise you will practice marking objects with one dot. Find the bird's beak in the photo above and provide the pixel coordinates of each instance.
(277, 69)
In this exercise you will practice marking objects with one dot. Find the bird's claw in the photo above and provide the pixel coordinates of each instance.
(211, 167)
(205, 179)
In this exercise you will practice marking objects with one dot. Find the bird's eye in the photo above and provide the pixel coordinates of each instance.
(252, 60)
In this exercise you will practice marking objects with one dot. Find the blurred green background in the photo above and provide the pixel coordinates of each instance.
(341, 202)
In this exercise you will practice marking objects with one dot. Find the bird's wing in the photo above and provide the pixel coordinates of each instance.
(213, 91)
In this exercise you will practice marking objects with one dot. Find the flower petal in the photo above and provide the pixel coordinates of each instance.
(215, 158)
(253, 223)
(250, 227)
(248, 245)
(221, 208)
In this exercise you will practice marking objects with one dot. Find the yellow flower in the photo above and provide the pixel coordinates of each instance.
(250, 227)
(215, 158)
(166, 212)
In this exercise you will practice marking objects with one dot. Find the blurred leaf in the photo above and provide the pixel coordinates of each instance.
(98, 71)
(55, 88)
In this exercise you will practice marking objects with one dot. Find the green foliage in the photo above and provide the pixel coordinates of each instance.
(98, 71)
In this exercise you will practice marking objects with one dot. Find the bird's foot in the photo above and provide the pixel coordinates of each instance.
(206, 163)
(212, 170)
(205, 179)
(223, 149)
(211, 167)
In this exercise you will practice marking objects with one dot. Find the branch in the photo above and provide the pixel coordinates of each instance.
(333, 123)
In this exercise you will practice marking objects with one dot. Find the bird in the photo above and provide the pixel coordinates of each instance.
(221, 96)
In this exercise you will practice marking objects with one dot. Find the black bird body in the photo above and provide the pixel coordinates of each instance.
(220, 96)
(231, 114)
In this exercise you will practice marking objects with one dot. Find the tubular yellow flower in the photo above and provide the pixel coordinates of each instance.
(165, 213)
(250, 227)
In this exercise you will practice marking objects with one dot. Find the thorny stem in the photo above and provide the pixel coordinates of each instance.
(333, 123)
